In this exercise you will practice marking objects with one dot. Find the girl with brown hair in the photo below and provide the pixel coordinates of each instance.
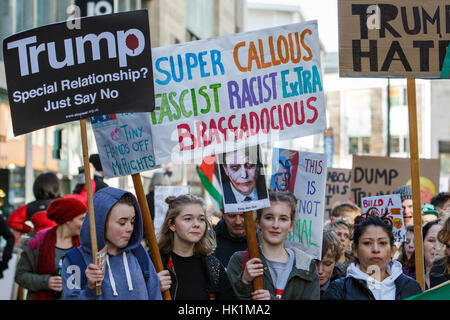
(186, 243)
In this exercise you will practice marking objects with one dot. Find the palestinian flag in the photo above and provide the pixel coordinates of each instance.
(440, 292)
(210, 180)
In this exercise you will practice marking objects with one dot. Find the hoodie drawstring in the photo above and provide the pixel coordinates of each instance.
(127, 273)
(111, 278)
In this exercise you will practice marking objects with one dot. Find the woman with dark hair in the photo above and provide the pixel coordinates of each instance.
(46, 188)
(374, 275)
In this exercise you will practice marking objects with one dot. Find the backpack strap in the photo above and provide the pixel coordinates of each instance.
(244, 260)
(75, 257)
(144, 261)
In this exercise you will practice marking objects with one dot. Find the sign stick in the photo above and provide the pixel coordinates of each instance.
(415, 178)
(148, 227)
(90, 203)
(252, 245)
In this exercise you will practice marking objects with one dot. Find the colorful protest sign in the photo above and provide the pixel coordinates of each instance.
(218, 95)
(124, 143)
(308, 184)
(242, 180)
(389, 209)
(57, 74)
(161, 193)
(372, 176)
(338, 188)
(393, 38)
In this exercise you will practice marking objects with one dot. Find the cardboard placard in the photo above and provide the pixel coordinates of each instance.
(58, 73)
(124, 143)
(338, 188)
(372, 176)
(404, 38)
(218, 95)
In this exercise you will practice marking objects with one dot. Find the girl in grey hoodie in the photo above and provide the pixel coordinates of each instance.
(118, 223)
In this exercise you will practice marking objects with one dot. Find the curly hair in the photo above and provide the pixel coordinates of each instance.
(207, 243)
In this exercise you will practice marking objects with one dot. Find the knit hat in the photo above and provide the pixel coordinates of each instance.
(65, 209)
(428, 208)
(405, 192)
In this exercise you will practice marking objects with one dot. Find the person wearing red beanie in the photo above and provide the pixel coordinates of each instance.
(40, 260)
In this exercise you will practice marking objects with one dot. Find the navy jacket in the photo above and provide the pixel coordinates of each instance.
(227, 245)
(349, 288)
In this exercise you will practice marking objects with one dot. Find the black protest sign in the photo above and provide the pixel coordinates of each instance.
(58, 73)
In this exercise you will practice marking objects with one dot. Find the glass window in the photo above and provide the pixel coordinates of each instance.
(200, 17)
(5, 23)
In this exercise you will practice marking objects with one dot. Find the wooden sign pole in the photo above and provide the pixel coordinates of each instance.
(148, 228)
(415, 178)
(252, 245)
(90, 203)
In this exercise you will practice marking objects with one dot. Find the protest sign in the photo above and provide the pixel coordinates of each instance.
(389, 209)
(218, 95)
(57, 74)
(242, 180)
(393, 38)
(337, 189)
(372, 176)
(161, 193)
(309, 189)
(124, 143)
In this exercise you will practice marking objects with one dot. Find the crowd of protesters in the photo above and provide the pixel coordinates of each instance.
(201, 261)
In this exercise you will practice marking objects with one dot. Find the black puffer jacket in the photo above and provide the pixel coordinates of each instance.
(227, 245)
(350, 288)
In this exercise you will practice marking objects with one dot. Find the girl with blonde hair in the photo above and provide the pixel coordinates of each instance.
(186, 243)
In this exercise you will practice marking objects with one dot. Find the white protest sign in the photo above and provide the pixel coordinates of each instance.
(218, 95)
(124, 143)
(304, 174)
(389, 209)
(161, 193)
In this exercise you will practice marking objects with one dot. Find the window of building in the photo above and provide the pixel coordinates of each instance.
(359, 145)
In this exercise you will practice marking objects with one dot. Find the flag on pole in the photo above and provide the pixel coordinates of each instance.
(440, 292)
(210, 181)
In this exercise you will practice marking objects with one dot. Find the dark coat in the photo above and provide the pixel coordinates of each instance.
(227, 245)
(437, 273)
(349, 288)
(218, 284)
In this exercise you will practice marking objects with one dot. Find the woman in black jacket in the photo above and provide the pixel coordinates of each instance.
(374, 275)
